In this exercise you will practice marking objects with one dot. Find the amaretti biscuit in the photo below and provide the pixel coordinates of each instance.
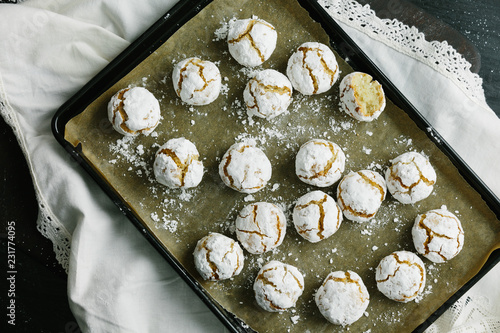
(134, 111)
(267, 94)
(410, 177)
(316, 216)
(342, 298)
(361, 97)
(196, 81)
(401, 276)
(360, 194)
(438, 235)
(177, 164)
(278, 286)
(245, 167)
(260, 227)
(251, 41)
(319, 162)
(312, 68)
(218, 257)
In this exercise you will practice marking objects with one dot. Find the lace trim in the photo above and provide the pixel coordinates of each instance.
(440, 56)
(47, 224)
(471, 315)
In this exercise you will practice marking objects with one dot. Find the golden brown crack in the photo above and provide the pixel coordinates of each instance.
(348, 279)
(183, 166)
(329, 164)
(350, 209)
(246, 35)
(265, 281)
(265, 88)
(331, 73)
(197, 63)
(212, 265)
(257, 232)
(321, 220)
(408, 263)
(230, 177)
(410, 187)
(120, 110)
(431, 234)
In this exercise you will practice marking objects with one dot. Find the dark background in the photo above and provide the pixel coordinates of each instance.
(471, 27)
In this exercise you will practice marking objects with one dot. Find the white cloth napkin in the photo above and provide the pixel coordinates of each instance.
(116, 280)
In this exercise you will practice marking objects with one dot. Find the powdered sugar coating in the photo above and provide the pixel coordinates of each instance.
(360, 194)
(267, 94)
(278, 286)
(218, 257)
(342, 298)
(316, 216)
(245, 168)
(312, 68)
(401, 276)
(353, 98)
(410, 178)
(260, 227)
(251, 41)
(177, 164)
(438, 235)
(196, 81)
(319, 162)
(134, 111)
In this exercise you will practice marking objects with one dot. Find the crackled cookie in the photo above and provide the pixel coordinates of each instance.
(196, 81)
(438, 235)
(360, 194)
(177, 164)
(400, 276)
(251, 41)
(319, 162)
(410, 178)
(260, 227)
(217, 257)
(316, 216)
(342, 298)
(134, 111)
(361, 97)
(312, 68)
(245, 168)
(278, 286)
(267, 94)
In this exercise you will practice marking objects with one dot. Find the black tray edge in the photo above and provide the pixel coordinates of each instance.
(348, 49)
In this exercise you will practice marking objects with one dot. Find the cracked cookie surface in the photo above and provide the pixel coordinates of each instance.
(251, 41)
(360, 194)
(401, 276)
(320, 163)
(245, 168)
(312, 68)
(134, 111)
(278, 286)
(218, 257)
(361, 97)
(410, 178)
(438, 235)
(260, 227)
(316, 216)
(177, 164)
(342, 298)
(196, 81)
(267, 94)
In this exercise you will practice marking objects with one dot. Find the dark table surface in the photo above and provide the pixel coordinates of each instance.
(472, 27)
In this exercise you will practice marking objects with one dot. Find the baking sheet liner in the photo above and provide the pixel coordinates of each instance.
(179, 218)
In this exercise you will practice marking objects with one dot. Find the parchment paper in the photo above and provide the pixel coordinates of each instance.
(180, 218)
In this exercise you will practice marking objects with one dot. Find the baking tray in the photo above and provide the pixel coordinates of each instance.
(156, 36)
